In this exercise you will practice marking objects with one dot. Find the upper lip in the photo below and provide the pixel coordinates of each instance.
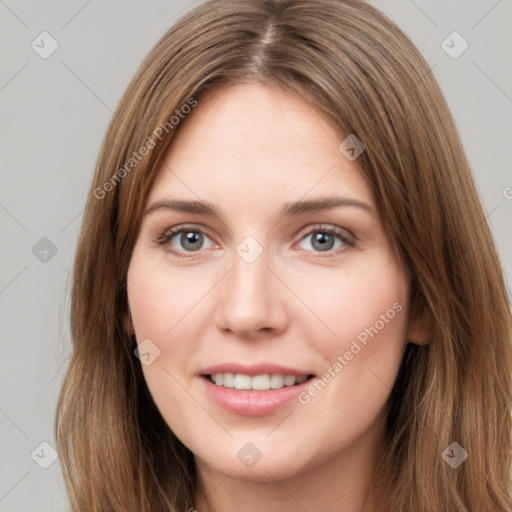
(254, 369)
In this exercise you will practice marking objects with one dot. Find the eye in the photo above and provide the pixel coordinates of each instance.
(326, 239)
(190, 239)
(184, 239)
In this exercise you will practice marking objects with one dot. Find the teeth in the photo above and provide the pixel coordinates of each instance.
(229, 380)
(261, 382)
(290, 380)
(258, 382)
(242, 381)
(276, 381)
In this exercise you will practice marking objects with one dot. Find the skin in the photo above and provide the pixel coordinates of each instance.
(248, 149)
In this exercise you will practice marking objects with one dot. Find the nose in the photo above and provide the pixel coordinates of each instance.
(252, 299)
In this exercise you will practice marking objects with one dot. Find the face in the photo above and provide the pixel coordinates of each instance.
(262, 264)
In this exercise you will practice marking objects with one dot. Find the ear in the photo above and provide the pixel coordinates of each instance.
(128, 324)
(419, 328)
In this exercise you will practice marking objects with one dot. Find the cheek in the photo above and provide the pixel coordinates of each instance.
(163, 305)
(161, 298)
(367, 311)
(170, 307)
(371, 307)
(361, 303)
(363, 335)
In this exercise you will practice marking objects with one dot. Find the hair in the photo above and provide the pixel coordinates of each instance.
(357, 68)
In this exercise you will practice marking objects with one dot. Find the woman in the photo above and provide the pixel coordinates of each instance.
(286, 294)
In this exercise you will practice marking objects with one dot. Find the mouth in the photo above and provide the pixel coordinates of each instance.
(254, 389)
(262, 382)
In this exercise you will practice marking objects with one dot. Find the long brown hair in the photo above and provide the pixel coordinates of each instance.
(357, 67)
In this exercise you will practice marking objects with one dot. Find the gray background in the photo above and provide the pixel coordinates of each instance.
(55, 112)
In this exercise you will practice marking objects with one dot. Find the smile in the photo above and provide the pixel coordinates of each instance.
(254, 389)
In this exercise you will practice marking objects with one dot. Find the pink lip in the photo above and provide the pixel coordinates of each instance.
(250, 402)
(253, 369)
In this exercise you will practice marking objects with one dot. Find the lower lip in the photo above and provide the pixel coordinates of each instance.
(253, 403)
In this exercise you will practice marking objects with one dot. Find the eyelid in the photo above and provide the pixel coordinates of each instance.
(329, 228)
(184, 227)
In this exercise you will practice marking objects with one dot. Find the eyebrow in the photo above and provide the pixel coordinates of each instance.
(295, 208)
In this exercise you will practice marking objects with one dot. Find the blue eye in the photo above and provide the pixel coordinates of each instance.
(327, 239)
(321, 241)
(189, 239)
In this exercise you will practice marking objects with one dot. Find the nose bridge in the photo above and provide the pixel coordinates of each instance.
(249, 278)
(250, 298)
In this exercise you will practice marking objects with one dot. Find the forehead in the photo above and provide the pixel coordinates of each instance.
(254, 141)
(254, 117)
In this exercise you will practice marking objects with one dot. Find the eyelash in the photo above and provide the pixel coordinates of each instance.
(166, 236)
